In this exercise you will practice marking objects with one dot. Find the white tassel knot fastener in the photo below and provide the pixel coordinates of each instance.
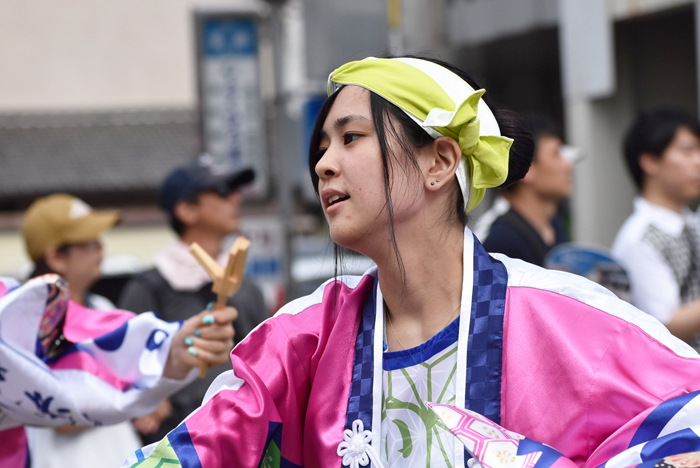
(356, 447)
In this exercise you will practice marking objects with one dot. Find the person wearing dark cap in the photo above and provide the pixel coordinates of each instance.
(203, 202)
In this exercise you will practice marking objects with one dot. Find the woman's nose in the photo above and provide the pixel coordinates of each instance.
(327, 166)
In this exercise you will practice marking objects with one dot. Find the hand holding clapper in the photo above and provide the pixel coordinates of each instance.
(226, 281)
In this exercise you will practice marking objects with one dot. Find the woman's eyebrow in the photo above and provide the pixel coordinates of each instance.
(342, 121)
(346, 119)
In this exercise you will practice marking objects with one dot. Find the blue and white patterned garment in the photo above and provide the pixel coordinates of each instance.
(411, 435)
(107, 370)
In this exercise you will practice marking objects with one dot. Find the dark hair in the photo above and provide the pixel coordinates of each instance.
(390, 120)
(42, 268)
(540, 125)
(652, 132)
(175, 223)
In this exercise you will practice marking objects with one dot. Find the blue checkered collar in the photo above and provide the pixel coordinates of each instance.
(479, 350)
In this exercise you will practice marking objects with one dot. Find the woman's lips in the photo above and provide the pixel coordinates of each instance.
(334, 205)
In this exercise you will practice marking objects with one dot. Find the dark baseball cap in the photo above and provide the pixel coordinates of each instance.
(201, 175)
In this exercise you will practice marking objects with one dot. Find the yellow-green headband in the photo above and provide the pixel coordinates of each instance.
(443, 104)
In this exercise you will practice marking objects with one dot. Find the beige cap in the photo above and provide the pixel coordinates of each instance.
(61, 219)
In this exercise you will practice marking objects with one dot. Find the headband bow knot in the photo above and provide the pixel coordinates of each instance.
(426, 92)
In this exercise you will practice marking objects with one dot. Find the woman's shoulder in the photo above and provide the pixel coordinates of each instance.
(310, 313)
(334, 290)
(559, 288)
(526, 275)
(553, 293)
(538, 283)
(328, 315)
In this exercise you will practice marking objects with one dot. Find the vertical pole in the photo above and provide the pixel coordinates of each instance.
(281, 154)
(697, 48)
(596, 109)
(394, 19)
(422, 27)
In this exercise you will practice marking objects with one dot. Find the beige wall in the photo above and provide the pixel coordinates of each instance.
(91, 54)
(124, 246)
(63, 55)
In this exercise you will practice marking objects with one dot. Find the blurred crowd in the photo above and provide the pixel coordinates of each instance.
(62, 235)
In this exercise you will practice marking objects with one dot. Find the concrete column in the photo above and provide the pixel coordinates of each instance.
(283, 136)
(423, 27)
(603, 192)
(598, 106)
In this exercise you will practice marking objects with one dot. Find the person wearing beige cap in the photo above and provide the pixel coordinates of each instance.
(62, 235)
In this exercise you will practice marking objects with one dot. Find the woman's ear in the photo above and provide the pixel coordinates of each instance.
(444, 160)
(55, 260)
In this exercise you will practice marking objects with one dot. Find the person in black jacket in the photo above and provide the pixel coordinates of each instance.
(203, 206)
(531, 227)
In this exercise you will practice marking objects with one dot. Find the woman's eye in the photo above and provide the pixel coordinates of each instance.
(350, 137)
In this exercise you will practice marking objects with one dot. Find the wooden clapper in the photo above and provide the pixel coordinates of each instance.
(226, 281)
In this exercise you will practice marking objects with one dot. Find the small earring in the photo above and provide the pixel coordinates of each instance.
(432, 183)
(438, 180)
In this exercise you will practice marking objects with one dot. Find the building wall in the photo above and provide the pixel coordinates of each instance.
(85, 54)
(337, 31)
(661, 48)
(480, 21)
(520, 72)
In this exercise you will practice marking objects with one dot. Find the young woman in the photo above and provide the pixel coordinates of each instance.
(402, 149)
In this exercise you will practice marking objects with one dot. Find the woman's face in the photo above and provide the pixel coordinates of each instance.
(351, 178)
(80, 263)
